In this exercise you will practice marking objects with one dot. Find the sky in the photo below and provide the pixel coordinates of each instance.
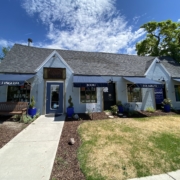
(83, 25)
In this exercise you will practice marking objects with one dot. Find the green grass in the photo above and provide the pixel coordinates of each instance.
(129, 148)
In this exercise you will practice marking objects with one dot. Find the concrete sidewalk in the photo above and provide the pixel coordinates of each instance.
(175, 175)
(30, 155)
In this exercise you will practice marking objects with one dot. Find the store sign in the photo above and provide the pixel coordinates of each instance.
(90, 85)
(158, 95)
(11, 83)
(54, 73)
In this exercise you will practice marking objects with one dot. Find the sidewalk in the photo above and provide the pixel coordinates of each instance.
(30, 155)
(175, 175)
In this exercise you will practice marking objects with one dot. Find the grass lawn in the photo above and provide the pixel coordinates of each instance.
(128, 148)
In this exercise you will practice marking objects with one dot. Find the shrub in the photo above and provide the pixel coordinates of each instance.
(119, 103)
(70, 102)
(32, 103)
(150, 109)
(114, 109)
(167, 101)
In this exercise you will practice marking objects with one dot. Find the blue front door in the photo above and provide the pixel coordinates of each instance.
(54, 98)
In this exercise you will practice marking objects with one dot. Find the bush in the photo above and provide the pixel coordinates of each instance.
(114, 109)
(150, 109)
(167, 101)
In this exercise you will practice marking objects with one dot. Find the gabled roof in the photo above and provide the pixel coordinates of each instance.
(26, 59)
(172, 66)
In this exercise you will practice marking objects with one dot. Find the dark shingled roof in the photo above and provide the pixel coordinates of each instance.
(172, 66)
(25, 59)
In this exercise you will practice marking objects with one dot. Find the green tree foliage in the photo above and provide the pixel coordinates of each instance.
(162, 39)
(5, 50)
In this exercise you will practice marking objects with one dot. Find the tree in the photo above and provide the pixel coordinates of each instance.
(5, 50)
(162, 39)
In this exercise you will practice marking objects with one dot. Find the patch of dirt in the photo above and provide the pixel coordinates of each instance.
(66, 165)
(9, 129)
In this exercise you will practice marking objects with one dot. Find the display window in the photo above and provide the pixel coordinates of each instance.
(177, 92)
(19, 93)
(134, 93)
(88, 95)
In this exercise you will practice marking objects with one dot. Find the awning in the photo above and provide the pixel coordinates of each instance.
(89, 81)
(14, 79)
(178, 80)
(144, 82)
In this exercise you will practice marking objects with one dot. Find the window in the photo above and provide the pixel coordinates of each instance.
(19, 93)
(88, 95)
(134, 93)
(177, 92)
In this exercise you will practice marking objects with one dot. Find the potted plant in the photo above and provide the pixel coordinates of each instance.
(167, 105)
(32, 109)
(70, 108)
(120, 106)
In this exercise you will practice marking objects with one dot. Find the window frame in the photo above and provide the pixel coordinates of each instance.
(175, 92)
(95, 100)
(135, 86)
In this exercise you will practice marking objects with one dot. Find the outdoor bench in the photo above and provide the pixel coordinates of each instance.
(13, 108)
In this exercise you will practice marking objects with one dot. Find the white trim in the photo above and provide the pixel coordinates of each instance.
(154, 61)
(49, 57)
(46, 94)
(165, 70)
(45, 61)
(64, 61)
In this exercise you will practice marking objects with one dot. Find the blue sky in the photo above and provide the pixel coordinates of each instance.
(86, 25)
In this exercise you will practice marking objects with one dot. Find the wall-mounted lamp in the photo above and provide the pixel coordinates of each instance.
(161, 79)
(110, 81)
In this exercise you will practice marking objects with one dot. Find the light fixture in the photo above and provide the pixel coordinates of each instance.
(161, 79)
(110, 81)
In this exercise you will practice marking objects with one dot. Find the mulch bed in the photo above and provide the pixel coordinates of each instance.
(66, 165)
(9, 128)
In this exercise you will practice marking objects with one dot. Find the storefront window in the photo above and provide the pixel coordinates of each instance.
(177, 92)
(88, 95)
(134, 93)
(19, 93)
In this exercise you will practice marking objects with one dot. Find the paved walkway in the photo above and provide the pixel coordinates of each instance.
(175, 175)
(30, 155)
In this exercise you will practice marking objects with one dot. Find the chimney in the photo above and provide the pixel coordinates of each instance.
(29, 41)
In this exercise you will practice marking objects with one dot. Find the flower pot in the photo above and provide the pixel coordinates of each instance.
(167, 108)
(70, 111)
(32, 111)
(120, 108)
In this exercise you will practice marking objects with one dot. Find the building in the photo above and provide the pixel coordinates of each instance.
(94, 80)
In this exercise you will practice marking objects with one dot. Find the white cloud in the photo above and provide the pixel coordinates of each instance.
(178, 20)
(89, 25)
(5, 43)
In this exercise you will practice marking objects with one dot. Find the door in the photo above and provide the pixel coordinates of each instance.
(160, 95)
(54, 98)
(109, 96)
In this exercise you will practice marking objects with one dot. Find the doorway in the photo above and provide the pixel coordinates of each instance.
(54, 98)
(160, 95)
(109, 96)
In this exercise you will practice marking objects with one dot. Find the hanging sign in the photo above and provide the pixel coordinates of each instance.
(54, 73)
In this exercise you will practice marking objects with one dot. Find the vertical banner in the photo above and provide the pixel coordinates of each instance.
(158, 95)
